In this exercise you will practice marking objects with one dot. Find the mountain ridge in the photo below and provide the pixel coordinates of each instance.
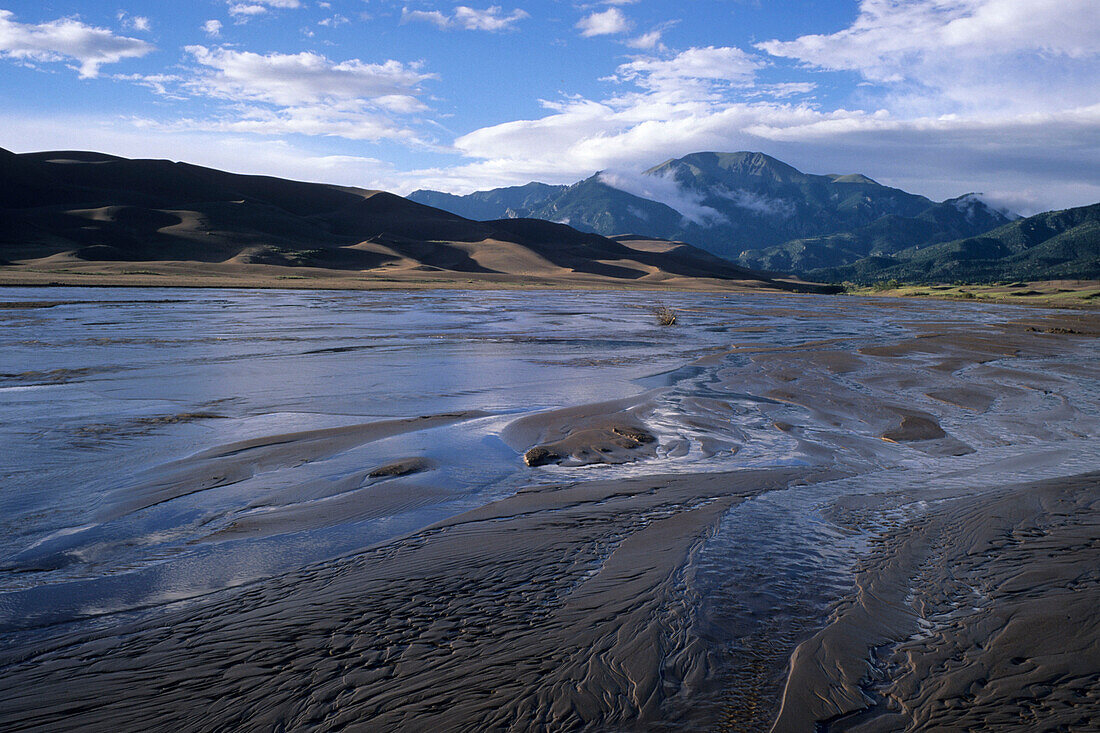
(746, 206)
(1046, 246)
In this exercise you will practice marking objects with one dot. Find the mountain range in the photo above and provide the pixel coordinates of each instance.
(91, 213)
(85, 212)
(746, 207)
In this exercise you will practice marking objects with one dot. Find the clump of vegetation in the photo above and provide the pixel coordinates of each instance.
(665, 315)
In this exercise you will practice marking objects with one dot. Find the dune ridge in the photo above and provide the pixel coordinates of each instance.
(75, 217)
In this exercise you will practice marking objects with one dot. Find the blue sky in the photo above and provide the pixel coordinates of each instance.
(939, 97)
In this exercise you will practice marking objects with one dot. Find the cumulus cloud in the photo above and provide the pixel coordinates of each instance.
(939, 156)
(606, 23)
(66, 38)
(304, 93)
(134, 22)
(294, 79)
(963, 55)
(465, 18)
(887, 33)
(663, 189)
(647, 41)
(786, 89)
(709, 64)
(212, 28)
(959, 95)
(651, 41)
(242, 11)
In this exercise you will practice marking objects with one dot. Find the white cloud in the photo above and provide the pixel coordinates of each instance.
(786, 89)
(66, 38)
(303, 93)
(258, 7)
(667, 191)
(991, 95)
(346, 120)
(934, 160)
(159, 83)
(647, 41)
(708, 65)
(937, 56)
(888, 32)
(758, 203)
(295, 79)
(466, 18)
(435, 17)
(212, 28)
(243, 11)
(1052, 155)
(134, 22)
(489, 19)
(651, 41)
(606, 23)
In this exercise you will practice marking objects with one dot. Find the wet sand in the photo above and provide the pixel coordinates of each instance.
(875, 529)
(980, 615)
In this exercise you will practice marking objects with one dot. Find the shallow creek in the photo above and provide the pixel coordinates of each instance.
(175, 455)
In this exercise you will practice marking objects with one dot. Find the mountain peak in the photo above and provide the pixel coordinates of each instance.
(971, 203)
(760, 210)
(708, 167)
(852, 178)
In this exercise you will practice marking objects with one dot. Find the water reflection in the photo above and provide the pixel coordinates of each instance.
(103, 389)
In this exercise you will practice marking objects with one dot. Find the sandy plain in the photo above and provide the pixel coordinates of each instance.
(69, 271)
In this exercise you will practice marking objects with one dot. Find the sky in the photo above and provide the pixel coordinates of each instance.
(938, 97)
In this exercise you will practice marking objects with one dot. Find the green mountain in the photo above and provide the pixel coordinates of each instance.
(514, 202)
(747, 207)
(1051, 245)
(953, 219)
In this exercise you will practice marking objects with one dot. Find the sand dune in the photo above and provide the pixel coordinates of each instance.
(86, 218)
